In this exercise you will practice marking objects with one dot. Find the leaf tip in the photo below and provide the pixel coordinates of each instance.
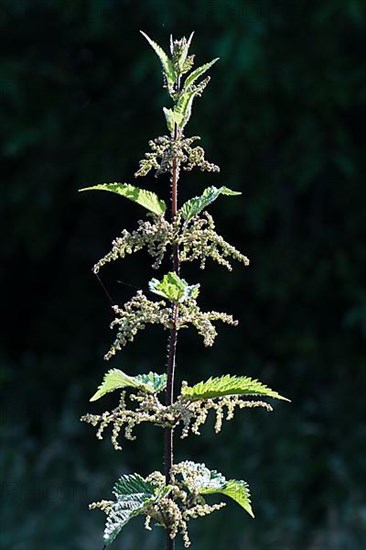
(283, 398)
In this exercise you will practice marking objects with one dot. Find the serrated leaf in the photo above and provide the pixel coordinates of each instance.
(201, 479)
(228, 385)
(143, 197)
(195, 205)
(116, 379)
(133, 484)
(238, 490)
(165, 60)
(155, 382)
(174, 288)
(133, 493)
(192, 77)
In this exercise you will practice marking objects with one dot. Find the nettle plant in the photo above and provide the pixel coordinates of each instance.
(180, 494)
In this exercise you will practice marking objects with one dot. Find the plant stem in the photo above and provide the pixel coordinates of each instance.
(173, 337)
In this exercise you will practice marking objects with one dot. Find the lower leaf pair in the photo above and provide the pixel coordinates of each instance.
(170, 506)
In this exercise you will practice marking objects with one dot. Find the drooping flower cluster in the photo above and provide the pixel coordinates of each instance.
(195, 413)
(140, 311)
(176, 509)
(148, 409)
(190, 312)
(190, 414)
(197, 240)
(134, 316)
(200, 241)
(156, 235)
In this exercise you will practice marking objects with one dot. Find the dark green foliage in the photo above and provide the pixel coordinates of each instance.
(290, 85)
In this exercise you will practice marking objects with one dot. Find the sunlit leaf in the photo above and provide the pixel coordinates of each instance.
(143, 197)
(201, 479)
(153, 382)
(238, 490)
(165, 60)
(228, 385)
(192, 77)
(116, 379)
(172, 118)
(174, 288)
(195, 205)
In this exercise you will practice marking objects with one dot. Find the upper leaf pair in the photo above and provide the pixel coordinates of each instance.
(212, 388)
(151, 201)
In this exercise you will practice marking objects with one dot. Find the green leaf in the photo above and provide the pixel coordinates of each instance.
(174, 288)
(199, 478)
(133, 484)
(195, 205)
(133, 493)
(228, 385)
(143, 197)
(192, 77)
(153, 382)
(172, 118)
(238, 490)
(115, 379)
(165, 61)
(183, 108)
(184, 53)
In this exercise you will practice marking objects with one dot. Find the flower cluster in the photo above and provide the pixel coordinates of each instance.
(164, 149)
(182, 501)
(133, 317)
(140, 311)
(182, 504)
(196, 239)
(148, 409)
(194, 414)
(200, 241)
(190, 414)
(189, 312)
(156, 235)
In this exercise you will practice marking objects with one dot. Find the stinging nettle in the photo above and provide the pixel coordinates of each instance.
(182, 492)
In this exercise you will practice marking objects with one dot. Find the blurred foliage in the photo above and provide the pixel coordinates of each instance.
(284, 117)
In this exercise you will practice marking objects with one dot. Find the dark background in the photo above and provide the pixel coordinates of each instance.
(284, 117)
